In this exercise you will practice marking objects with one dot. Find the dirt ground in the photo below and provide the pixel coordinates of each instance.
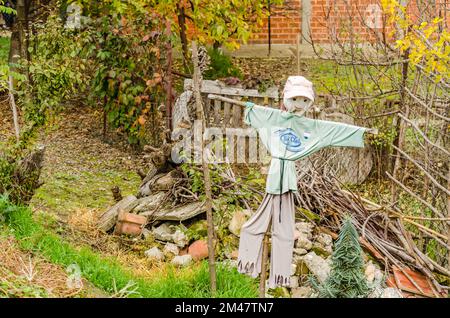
(26, 275)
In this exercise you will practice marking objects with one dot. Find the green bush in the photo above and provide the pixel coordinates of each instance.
(129, 53)
(4, 50)
(57, 70)
(220, 66)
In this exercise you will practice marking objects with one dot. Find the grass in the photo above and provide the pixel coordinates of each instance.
(67, 191)
(108, 275)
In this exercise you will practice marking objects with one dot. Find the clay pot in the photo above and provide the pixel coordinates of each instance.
(130, 224)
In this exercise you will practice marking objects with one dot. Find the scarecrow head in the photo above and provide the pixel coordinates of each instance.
(298, 95)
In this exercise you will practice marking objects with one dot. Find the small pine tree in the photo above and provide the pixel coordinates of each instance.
(346, 279)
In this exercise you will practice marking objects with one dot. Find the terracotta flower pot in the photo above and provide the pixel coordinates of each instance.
(130, 224)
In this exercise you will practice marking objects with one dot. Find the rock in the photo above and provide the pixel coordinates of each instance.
(180, 213)
(234, 254)
(318, 266)
(179, 238)
(247, 212)
(369, 272)
(300, 251)
(391, 292)
(198, 250)
(293, 268)
(182, 261)
(373, 273)
(154, 254)
(301, 268)
(146, 233)
(108, 219)
(294, 282)
(305, 228)
(376, 292)
(169, 233)
(301, 292)
(320, 250)
(324, 244)
(303, 242)
(325, 240)
(163, 232)
(171, 248)
(237, 221)
(379, 275)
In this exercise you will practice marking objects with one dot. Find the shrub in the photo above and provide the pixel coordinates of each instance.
(220, 66)
(346, 279)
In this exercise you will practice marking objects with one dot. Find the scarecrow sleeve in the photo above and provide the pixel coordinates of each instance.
(261, 117)
(342, 135)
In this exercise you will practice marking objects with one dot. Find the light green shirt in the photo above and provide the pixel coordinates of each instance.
(289, 137)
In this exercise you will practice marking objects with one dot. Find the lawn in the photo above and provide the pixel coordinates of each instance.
(108, 275)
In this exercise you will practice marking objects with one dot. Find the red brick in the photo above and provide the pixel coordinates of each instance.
(198, 250)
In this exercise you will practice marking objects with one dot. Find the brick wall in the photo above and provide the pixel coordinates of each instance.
(285, 24)
(328, 19)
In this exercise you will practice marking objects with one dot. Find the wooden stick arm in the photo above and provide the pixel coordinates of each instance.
(373, 131)
(227, 100)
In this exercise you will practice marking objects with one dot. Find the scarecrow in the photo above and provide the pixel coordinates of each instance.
(288, 136)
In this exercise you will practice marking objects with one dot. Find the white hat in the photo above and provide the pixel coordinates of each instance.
(298, 86)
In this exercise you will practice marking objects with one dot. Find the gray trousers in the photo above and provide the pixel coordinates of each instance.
(252, 235)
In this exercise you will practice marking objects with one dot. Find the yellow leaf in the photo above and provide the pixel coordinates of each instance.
(142, 120)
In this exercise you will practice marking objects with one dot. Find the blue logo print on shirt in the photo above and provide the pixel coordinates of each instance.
(290, 140)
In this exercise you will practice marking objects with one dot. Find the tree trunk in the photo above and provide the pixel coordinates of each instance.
(206, 174)
(184, 43)
(404, 107)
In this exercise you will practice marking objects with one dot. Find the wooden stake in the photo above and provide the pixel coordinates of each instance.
(14, 108)
(169, 94)
(265, 257)
(206, 175)
(298, 54)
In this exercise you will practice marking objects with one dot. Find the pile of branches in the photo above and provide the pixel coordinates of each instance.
(382, 228)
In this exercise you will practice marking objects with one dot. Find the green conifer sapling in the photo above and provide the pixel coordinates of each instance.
(346, 279)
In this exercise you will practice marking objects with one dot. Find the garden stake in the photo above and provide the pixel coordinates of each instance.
(265, 256)
(206, 175)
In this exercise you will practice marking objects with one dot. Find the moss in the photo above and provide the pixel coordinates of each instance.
(279, 292)
(198, 230)
(64, 192)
